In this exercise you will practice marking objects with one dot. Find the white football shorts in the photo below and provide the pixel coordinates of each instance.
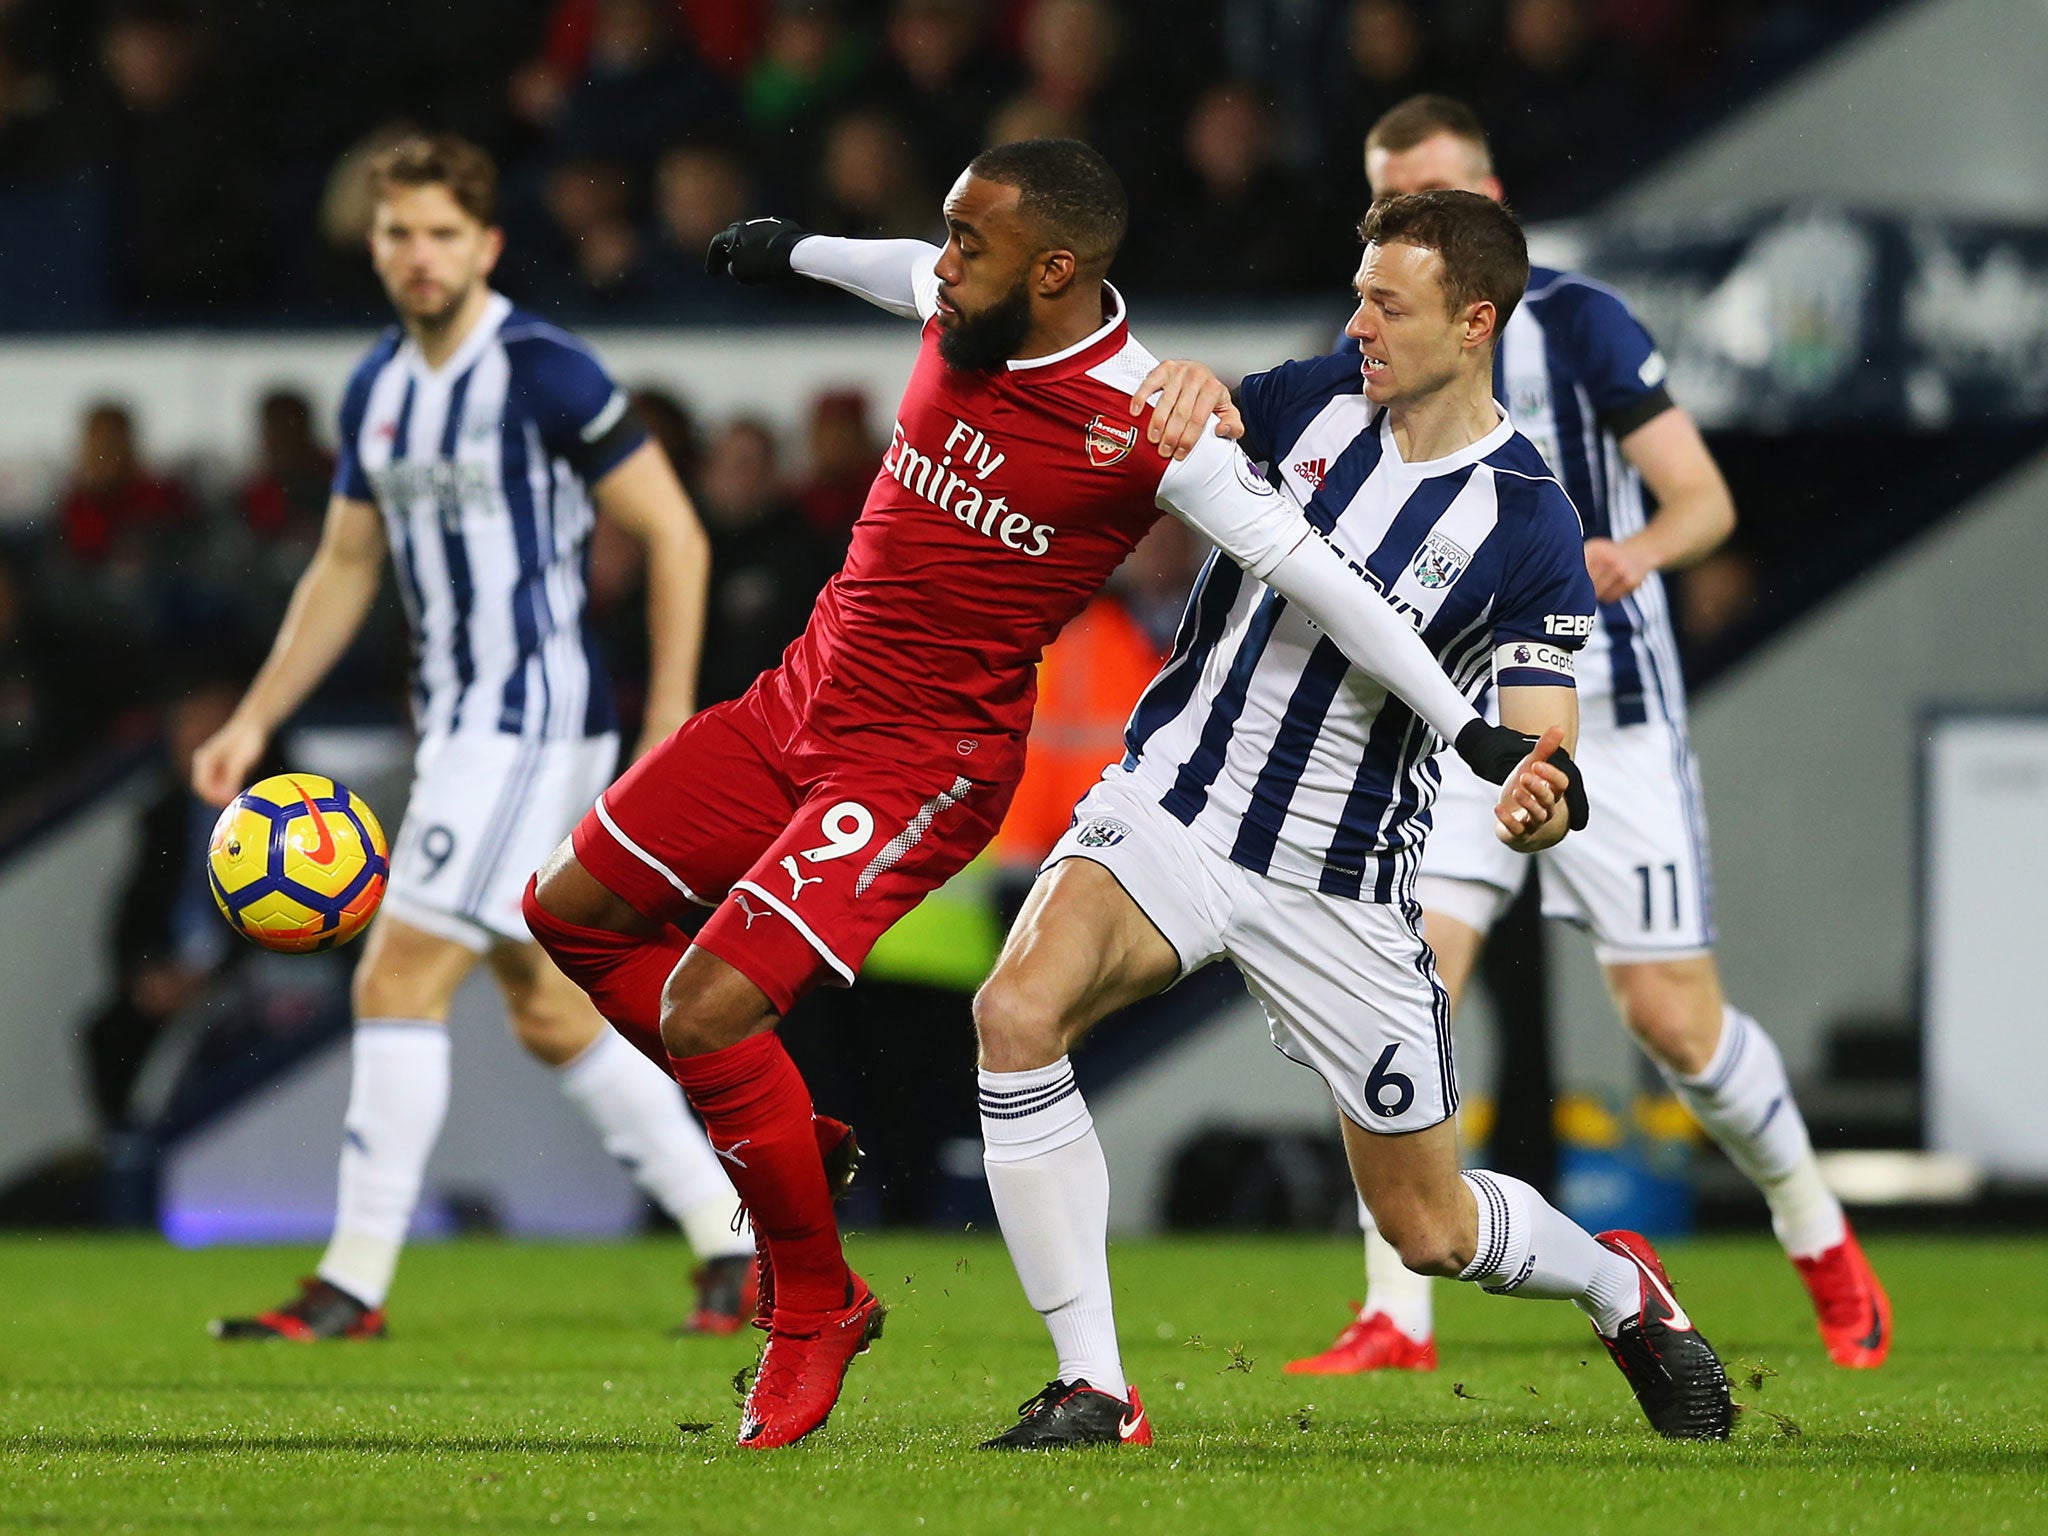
(485, 811)
(1349, 987)
(1637, 878)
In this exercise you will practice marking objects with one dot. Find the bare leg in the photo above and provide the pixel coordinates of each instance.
(1484, 1227)
(1730, 1075)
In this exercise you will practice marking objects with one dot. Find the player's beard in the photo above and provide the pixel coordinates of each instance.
(983, 343)
(435, 321)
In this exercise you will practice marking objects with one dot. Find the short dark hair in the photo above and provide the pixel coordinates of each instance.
(1484, 253)
(440, 160)
(1068, 188)
(1409, 123)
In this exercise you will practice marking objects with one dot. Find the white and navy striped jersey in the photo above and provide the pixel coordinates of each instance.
(1579, 373)
(1260, 736)
(482, 470)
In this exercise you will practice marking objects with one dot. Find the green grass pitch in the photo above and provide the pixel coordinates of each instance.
(532, 1387)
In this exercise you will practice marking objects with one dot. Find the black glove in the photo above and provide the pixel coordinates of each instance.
(1492, 752)
(753, 250)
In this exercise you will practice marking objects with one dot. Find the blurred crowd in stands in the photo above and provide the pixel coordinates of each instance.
(172, 161)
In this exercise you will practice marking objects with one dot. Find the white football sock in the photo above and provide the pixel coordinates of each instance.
(1051, 1189)
(1744, 1100)
(1528, 1247)
(397, 1099)
(645, 1125)
(1392, 1289)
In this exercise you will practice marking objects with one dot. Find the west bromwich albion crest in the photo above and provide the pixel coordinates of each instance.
(1439, 562)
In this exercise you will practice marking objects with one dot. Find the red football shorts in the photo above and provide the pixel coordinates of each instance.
(808, 853)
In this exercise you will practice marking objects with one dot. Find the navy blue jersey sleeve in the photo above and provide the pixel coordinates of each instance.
(1545, 608)
(1612, 356)
(349, 479)
(581, 414)
(1278, 405)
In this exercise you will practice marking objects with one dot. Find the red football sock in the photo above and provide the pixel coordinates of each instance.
(623, 973)
(758, 1114)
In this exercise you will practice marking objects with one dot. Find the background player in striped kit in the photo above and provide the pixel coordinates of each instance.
(1271, 807)
(1585, 381)
(478, 445)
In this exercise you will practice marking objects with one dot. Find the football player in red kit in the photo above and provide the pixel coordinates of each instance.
(877, 759)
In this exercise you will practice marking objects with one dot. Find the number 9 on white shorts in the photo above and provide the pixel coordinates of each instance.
(485, 811)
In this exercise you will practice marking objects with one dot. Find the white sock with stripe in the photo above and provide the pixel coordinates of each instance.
(1528, 1247)
(1392, 1289)
(645, 1125)
(397, 1099)
(1744, 1100)
(1051, 1189)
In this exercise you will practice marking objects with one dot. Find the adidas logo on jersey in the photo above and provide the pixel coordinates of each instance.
(1313, 470)
(946, 486)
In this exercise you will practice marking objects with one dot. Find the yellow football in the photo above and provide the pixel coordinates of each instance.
(297, 863)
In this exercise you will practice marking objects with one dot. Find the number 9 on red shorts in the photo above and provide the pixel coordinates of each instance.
(807, 855)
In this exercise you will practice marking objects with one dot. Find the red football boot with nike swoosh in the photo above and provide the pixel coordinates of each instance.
(1854, 1314)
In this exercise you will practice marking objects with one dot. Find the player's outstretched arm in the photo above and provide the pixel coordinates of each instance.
(895, 275)
(1533, 812)
(1219, 493)
(642, 495)
(327, 608)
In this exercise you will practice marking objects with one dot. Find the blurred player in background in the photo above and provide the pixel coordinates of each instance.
(478, 446)
(1272, 807)
(877, 759)
(1584, 380)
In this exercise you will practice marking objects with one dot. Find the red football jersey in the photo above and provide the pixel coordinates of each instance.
(1003, 503)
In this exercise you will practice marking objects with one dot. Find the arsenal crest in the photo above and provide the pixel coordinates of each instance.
(1109, 443)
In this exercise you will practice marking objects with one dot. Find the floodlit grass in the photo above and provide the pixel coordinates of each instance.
(530, 1387)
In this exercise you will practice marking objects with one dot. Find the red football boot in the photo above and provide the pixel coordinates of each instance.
(1854, 1314)
(1370, 1343)
(803, 1368)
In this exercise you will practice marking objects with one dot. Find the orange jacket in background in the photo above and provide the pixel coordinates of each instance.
(1088, 683)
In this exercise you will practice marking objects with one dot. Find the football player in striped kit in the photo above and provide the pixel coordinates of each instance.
(1272, 807)
(478, 446)
(1584, 380)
